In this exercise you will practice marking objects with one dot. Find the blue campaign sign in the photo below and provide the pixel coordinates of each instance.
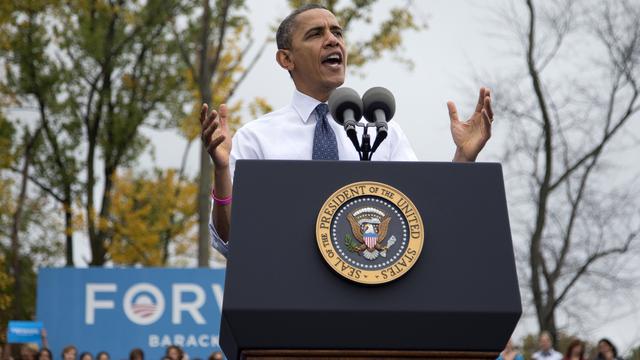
(24, 332)
(116, 310)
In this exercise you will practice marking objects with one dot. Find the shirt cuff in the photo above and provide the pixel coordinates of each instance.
(217, 242)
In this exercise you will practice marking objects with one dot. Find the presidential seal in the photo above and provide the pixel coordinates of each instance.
(369, 232)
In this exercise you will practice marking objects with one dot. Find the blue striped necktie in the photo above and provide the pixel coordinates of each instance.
(325, 146)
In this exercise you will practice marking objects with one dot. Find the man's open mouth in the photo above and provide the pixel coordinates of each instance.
(333, 59)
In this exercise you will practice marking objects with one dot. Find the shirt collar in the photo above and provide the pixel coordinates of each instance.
(303, 105)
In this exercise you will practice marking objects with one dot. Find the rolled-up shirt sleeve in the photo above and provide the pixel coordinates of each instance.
(216, 241)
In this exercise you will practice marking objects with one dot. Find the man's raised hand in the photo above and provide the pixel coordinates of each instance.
(215, 135)
(470, 136)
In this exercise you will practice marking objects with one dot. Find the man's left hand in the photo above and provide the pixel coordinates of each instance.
(470, 136)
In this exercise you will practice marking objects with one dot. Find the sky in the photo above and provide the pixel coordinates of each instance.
(458, 43)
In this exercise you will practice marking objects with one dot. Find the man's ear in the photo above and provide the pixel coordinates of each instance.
(284, 59)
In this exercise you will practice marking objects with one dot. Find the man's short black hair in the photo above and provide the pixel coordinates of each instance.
(285, 30)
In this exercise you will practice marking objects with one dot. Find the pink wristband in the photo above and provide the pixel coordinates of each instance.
(219, 201)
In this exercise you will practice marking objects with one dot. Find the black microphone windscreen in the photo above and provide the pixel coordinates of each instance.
(342, 99)
(378, 98)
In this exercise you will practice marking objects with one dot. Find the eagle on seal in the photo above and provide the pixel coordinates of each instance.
(369, 237)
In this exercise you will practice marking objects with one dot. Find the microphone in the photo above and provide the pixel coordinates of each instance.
(345, 107)
(379, 108)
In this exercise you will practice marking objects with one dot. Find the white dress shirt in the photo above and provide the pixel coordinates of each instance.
(287, 134)
(551, 354)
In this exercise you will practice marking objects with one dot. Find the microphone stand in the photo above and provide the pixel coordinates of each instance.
(365, 150)
(366, 146)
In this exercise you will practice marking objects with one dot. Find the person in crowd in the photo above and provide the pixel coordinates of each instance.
(5, 352)
(546, 351)
(103, 355)
(607, 351)
(44, 354)
(174, 352)
(86, 356)
(27, 352)
(69, 352)
(136, 354)
(509, 353)
(216, 355)
(575, 350)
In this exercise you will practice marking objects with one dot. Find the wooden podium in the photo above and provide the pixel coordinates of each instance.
(460, 300)
(364, 354)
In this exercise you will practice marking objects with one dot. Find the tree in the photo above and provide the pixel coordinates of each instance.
(6, 159)
(96, 72)
(214, 47)
(124, 74)
(635, 353)
(33, 81)
(20, 300)
(26, 235)
(566, 130)
(150, 213)
(7, 132)
(6, 285)
(30, 146)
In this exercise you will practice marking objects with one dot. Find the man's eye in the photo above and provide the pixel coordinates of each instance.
(337, 33)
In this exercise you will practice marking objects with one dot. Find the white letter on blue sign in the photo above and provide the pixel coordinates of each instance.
(91, 304)
(217, 292)
(154, 341)
(191, 307)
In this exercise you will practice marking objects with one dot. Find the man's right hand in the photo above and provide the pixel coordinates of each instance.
(215, 135)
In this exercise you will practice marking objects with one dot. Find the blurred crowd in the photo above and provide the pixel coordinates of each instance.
(576, 350)
(173, 352)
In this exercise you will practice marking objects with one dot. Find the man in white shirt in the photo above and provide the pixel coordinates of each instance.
(312, 49)
(546, 351)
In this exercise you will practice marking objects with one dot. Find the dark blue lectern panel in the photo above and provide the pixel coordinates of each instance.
(462, 294)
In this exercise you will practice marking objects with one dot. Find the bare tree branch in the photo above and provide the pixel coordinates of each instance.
(222, 30)
(589, 261)
(183, 51)
(536, 259)
(39, 184)
(247, 70)
(567, 144)
(598, 148)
